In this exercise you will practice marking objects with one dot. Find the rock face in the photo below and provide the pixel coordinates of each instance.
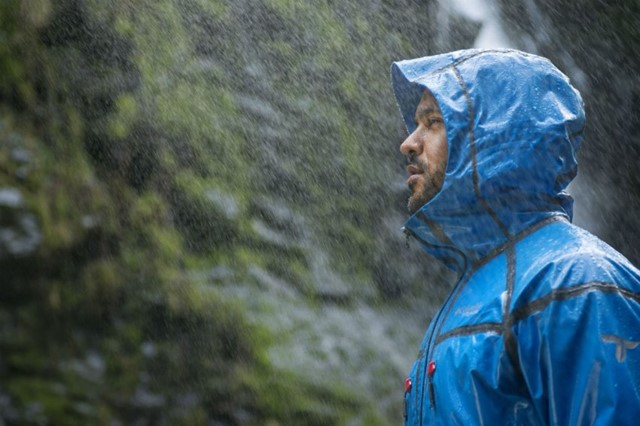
(200, 204)
(19, 231)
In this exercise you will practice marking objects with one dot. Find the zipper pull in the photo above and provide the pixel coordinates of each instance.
(407, 389)
(407, 235)
(431, 369)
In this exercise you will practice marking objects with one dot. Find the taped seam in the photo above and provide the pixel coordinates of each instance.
(568, 293)
(468, 330)
(474, 162)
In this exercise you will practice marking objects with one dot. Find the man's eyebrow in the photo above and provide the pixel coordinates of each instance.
(423, 112)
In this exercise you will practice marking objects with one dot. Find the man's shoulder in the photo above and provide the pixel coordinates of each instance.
(562, 256)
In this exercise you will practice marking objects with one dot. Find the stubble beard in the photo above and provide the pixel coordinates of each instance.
(418, 199)
(422, 192)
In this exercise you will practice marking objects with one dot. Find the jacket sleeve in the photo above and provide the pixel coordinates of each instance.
(579, 352)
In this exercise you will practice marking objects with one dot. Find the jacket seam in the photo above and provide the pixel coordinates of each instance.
(468, 330)
(474, 162)
(473, 55)
(497, 252)
(516, 239)
(563, 294)
(539, 305)
(509, 338)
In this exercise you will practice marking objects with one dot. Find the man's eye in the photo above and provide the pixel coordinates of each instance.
(434, 120)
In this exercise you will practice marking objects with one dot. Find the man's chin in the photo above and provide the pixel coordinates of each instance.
(421, 195)
(414, 203)
(419, 199)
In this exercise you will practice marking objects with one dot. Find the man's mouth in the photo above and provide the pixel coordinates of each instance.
(414, 174)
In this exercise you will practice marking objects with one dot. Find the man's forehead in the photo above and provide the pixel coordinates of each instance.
(428, 104)
(427, 99)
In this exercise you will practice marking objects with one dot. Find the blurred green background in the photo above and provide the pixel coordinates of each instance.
(201, 200)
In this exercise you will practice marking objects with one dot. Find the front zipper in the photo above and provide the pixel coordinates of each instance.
(430, 366)
(431, 369)
(428, 360)
(424, 365)
(427, 372)
(432, 394)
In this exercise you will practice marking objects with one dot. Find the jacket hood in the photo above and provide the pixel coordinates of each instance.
(514, 125)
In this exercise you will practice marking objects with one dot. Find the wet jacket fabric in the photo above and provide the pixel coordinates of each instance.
(543, 325)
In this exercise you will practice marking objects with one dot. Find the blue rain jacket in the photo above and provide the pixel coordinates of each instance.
(543, 326)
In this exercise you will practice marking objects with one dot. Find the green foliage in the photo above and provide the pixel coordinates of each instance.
(203, 184)
(152, 141)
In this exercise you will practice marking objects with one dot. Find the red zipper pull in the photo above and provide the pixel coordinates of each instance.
(407, 389)
(431, 369)
(407, 384)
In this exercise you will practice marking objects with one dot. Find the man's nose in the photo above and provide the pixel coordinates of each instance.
(411, 145)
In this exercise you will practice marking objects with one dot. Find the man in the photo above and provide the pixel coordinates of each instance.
(543, 325)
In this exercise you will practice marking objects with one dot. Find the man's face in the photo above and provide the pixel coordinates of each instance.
(427, 151)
